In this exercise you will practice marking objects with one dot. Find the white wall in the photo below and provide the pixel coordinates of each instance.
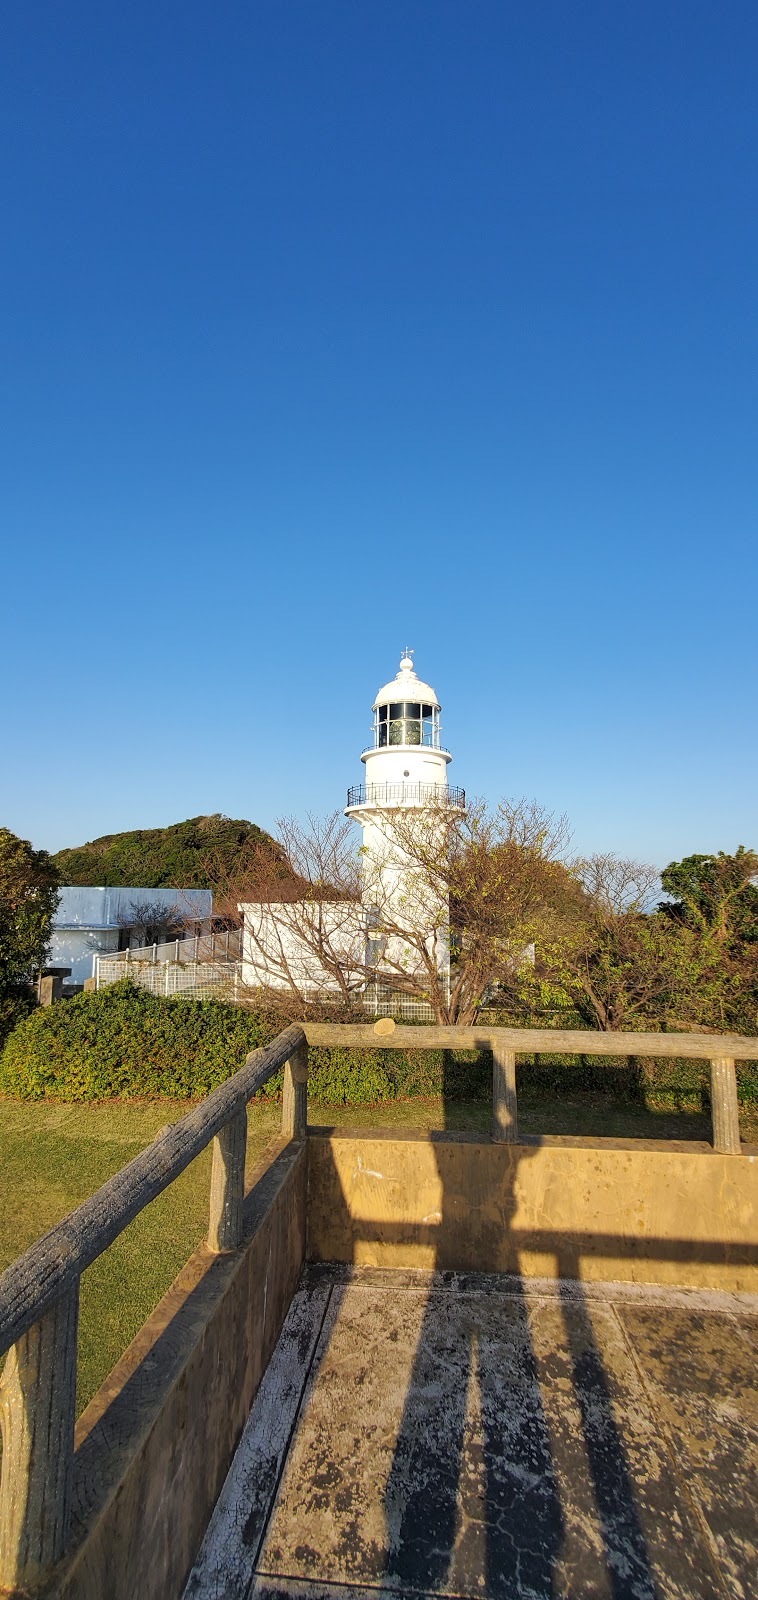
(277, 954)
(421, 762)
(75, 947)
(109, 908)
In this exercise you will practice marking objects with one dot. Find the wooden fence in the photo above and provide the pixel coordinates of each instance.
(722, 1050)
(39, 1293)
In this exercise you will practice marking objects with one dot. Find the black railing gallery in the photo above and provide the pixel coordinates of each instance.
(396, 794)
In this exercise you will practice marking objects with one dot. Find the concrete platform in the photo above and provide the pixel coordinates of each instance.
(466, 1435)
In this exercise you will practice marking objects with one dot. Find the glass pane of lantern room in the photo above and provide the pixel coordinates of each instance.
(413, 731)
(427, 725)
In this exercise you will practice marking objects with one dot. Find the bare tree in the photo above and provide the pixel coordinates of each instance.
(615, 885)
(308, 943)
(439, 908)
(152, 921)
(260, 871)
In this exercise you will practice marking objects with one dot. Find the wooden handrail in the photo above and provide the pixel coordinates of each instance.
(429, 1036)
(39, 1301)
(720, 1049)
(31, 1285)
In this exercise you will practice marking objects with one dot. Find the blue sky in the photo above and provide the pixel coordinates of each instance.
(331, 327)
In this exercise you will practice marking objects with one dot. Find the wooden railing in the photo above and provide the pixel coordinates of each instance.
(722, 1050)
(39, 1299)
(39, 1293)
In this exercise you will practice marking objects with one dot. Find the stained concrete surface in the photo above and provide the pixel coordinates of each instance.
(609, 1210)
(472, 1435)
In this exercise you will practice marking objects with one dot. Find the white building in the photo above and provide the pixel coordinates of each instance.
(282, 941)
(406, 770)
(90, 921)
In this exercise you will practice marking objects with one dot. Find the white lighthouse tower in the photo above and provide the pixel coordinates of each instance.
(406, 769)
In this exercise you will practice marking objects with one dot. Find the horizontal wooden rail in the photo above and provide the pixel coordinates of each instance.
(525, 1041)
(720, 1049)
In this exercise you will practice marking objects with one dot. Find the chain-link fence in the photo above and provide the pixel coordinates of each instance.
(204, 980)
(222, 980)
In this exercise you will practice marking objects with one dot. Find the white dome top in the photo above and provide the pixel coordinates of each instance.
(406, 686)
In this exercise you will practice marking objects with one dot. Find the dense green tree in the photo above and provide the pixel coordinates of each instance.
(28, 898)
(716, 892)
(716, 898)
(635, 971)
(186, 855)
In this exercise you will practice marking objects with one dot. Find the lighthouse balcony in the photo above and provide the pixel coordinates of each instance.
(402, 794)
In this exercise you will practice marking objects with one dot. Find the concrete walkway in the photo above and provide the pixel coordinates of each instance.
(476, 1436)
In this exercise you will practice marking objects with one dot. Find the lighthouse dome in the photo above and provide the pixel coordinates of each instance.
(406, 686)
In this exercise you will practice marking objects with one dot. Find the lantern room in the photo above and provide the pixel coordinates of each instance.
(407, 722)
(406, 764)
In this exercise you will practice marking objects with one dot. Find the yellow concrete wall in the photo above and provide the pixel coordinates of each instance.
(623, 1210)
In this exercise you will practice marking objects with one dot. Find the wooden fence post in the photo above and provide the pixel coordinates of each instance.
(37, 1416)
(228, 1184)
(295, 1097)
(725, 1114)
(504, 1106)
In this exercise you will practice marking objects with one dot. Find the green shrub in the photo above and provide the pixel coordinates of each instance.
(15, 1004)
(363, 1077)
(670, 1083)
(127, 1043)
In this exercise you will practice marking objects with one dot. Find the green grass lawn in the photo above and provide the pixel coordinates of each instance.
(53, 1156)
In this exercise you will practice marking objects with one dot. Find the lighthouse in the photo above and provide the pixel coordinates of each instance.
(406, 770)
(369, 947)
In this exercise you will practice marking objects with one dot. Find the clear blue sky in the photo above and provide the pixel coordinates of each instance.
(329, 327)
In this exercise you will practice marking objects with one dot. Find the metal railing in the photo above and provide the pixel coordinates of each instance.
(206, 980)
(226, 946)
(219, 980)
(396, 794)
(39, 1293)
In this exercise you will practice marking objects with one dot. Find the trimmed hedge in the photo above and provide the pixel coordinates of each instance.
(126, 1043)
